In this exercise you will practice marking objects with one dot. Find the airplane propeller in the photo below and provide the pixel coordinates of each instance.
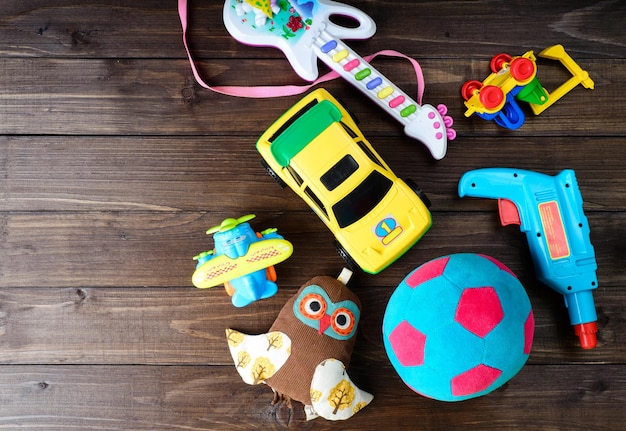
(230, 223)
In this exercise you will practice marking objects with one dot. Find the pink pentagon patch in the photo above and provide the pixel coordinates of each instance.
(408, 344)
(479, 310)
(428, 271)
(529, 330)
(475, 380)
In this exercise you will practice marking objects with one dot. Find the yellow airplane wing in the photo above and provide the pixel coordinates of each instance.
(260, 255)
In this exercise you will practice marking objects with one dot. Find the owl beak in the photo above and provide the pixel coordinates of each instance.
(324, 323)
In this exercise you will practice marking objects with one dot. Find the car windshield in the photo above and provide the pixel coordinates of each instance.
(362, 199)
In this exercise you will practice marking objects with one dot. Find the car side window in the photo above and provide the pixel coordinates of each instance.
(349, 131)
(316, 200)
(369, 153)
(295, 175)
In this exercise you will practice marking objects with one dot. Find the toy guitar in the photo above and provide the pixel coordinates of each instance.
(302, 29)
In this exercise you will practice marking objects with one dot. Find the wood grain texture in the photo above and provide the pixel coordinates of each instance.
(199, 398)
(156, 326)
(114, 162)
(156, 97)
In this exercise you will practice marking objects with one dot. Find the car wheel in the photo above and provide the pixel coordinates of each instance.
(419, 192)
(350, 113)
(352, 265)
(273, 174)
(497, 62)
(468, 89)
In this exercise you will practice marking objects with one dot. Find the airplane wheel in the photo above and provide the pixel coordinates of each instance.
(270, 273)
(229, 288)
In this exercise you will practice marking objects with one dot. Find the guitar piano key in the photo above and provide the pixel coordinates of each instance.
(363, 73)
(385, 92)
(352, 64)
(374, 83)
(396, 101)
(328, 46)
(337, 57)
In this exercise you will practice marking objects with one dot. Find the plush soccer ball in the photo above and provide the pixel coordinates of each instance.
(458, 327)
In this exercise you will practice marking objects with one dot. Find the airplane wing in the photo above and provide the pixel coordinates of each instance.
(261, 254)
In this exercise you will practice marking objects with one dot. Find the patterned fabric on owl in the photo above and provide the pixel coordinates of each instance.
(305, 353)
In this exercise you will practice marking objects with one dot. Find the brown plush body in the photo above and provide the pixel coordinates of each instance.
(305, 353)
(308, 347)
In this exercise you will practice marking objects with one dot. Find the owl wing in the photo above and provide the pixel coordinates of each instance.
(258, 357)
(333, 395)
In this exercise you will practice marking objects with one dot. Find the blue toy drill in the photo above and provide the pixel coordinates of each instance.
(549, 209)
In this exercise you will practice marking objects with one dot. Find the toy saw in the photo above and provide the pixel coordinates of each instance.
(303, 30)
(222, 268)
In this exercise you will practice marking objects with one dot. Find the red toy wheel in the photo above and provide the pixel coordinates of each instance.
(522, 69)
(498, 60)
(468, 89)
(491, 96)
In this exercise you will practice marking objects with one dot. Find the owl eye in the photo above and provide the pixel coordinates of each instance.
(342, 321)
(313, 306)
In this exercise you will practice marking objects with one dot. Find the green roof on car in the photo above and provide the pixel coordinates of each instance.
(306, 128)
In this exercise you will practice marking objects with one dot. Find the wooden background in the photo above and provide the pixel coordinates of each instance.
(113, 163)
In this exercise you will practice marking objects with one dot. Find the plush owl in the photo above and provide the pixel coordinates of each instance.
(304, 355)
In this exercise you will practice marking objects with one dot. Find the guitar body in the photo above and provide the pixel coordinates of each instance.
(293, 27)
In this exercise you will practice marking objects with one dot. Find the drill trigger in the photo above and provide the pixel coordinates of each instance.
(508, 213)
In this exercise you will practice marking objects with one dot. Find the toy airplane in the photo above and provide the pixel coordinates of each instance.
(302, 29)
(242, 260)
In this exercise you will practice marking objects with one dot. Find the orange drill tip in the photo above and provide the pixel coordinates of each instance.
(586, 333)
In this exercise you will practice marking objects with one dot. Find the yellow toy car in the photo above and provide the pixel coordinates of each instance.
(317, 150)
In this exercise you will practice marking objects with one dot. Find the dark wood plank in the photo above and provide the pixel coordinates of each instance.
(172, 174)
(91, 29)
(158, 97)
(156, 249)
(577, 398)
(94, 326)
(451, 29)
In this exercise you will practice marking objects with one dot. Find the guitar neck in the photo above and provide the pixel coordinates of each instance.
(366, 78)
(424, 123)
